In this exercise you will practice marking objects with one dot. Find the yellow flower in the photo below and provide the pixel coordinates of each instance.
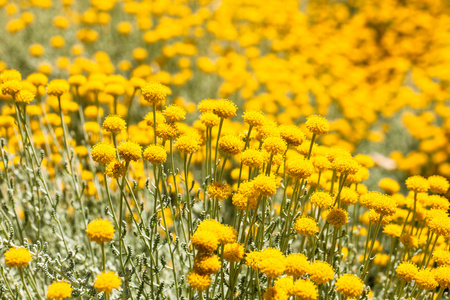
(417, 184)
(409, 241)
(305, 290)
(231, 145)
(77, 80)
(299, 168)
(296, 265)
(219, 191)
(114, 124)
(348, 196)
(166, 131)
(233, 252)
(24, 96)
(321, 272)
(321, 199)
(209, 119)
(204, 241)
(103, 153)
(9, 75)
(265, 185)
(425, 279)
(442, 276)
(337, 217)
(438, 184)
(389, 186)
(107, 282)
(225, 109)
(199, 282)
(129, 151)
(57, 87)
(59, 290)
(188, 143)
(155, 92)
(174, 113)
(271, 262)
(349, 285)
(155, 154)
(100, 231)
(115, 169)
(11, 87)
(306, 226)
(274, 145)
(292, 134)
(253, 118)
(17, 257)
(441, 257)
(206, 264)
(252, 158)
(317, 124)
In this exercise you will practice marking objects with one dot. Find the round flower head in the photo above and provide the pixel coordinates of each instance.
(37, 79)
(274, 145)
(296, 265)
(305, 290)
(188, 144)
(253, 118)
(389, 186)
(321, 199)
(265, 185)
(103, 153)
(115, 169)
(384, 205)
(206, 105)
(442, 276)
(167, 131)
(337, 217)
(114, 89)
(321, 272)
(299, 168)
(438, 202)
(219, 191)
(17, 257)
(231, 145)
(348, 196)
(438, 184)
(345, 164)
(209, 119)
(155, 92)
(11, 87)
(271, 262)
(114, 124)
(100, 231)
(392, 230)
(107, 282)
(159, 118)
(409, 241)
(204, 241)
(441, 257)
(425, 280)
(155, 154)
(281, 290)
(233, 252)
(77, 80)
(206, 263)
(57, 87)
(252, 158)
(317, 124)
(59, 290)
(374, 218)
(130, 151)
(95, 86)
(225, 109)
(199, 282)
(24, 96)
(174, 113)
(417, 184)
(349, 285)
(365, 160)
(226, 234)
(8, 75)
(321, 163)
(306, 226)
(292, 134)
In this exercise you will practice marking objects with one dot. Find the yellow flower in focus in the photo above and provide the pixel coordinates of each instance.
(349, 285)
(57, 87)
(129, 151)
(317, 124)
(17, 257)
(100, 231)
(107, 282)
(114, 124)
(199, 282)
(155, 92)
(337, 217)
(233, 252)
(59, 290)
(306, 226)
(321, 272)
(103, 153)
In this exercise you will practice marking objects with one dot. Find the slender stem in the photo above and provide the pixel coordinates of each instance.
(24, 283)
(103, 256)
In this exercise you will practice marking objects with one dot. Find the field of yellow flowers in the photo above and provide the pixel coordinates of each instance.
(224, 149)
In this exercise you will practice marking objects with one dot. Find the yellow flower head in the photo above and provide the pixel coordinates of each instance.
(100, 231)
(321, 199)
(188, 143)
(233, 252)
(114, 124)
(199, 282)
(155, 154)
(296, 265)
(265, 185)
(77, 80)
(292, 134)
(204, 241)
(317, 124)
(103, 153)
(17, 257)
(37, 79)
(409, 241)
(337, 217)
(209, 119)
(389, 186)
(253, 118)
(159, 118)
(299, 168)
(115, 169)
(252, 158)
(417, 184)
(306, 226)
(166, 131)
(57, 87)
(441, 257)
(231, 145)
(438, 184)
(321, 272)
(225, 109)
(107, 282)
(274, 145)
(349, 285)
(271, 262)
(348, 196)
(425, 279)
(59, 290)
(219, 191)
(129, 151)
(155, 92)
(206, 264)
(115, 89)
(11, 87)
(305, 289)
(24, 96)
(442, 276)
(9, 75)
(174, 113)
